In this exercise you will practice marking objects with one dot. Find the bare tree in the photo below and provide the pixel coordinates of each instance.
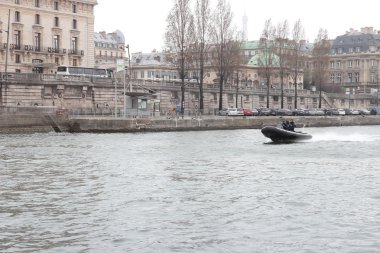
(266, 59)
(321, 61)
(222, 34)
(202, 46)
(179, 37)
(281, 43)
(297, 43)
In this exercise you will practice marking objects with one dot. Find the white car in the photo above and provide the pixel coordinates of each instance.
(341, 112)
(235, 112)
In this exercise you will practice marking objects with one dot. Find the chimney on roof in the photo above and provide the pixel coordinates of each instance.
(368, 30)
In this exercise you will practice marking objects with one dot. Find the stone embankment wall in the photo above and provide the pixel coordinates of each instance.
(214, 123)
(16, 122)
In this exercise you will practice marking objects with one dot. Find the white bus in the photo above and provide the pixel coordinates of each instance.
(81, 71)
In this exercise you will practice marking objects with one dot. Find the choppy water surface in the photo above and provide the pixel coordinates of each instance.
(217, 191)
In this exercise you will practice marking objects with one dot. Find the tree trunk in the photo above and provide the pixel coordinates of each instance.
(200, 78)
(320, 96)
(282, 92)
(268, 86)
(295, 89)
(221, 93)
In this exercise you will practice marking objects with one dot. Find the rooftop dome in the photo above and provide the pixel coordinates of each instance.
(120, 36)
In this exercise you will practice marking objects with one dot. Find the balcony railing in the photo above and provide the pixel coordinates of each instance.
(33, 48)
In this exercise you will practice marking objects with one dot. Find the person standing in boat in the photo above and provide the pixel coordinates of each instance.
(292, 125)
(285, 125)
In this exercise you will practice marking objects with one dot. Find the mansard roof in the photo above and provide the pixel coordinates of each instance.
(350, 41)
(116, 37)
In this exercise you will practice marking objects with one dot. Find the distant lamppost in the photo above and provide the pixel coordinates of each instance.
(348, 92)
(129, 68)
(377, 94)
(6, 60)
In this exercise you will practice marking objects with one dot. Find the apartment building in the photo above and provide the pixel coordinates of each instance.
(108, 48)
(44, 34)
(355, 61)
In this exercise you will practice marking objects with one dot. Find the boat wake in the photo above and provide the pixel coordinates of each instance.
(355, 137)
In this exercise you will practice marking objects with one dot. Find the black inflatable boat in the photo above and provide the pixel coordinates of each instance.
(281, 135)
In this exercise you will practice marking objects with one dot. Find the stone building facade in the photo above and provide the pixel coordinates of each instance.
(355, 61)
(108, 48)
(44, 34)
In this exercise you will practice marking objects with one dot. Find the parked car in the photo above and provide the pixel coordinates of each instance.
(355, 112)
(247, 112)
(348, 111)
(364, 112)
(341, 112)
(224, 112)
(265, 111)
(315, 112)
(374, 111)
(298, 112)
(235, 112)
(283, 112)
(255, 112)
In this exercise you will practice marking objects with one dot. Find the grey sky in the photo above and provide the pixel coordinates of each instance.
(143, 22)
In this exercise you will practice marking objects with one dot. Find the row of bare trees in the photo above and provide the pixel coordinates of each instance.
(200, 37)
(287, 56)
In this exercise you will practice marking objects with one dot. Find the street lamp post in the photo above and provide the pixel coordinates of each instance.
(6, 60)
(129, 68)
(377, 95)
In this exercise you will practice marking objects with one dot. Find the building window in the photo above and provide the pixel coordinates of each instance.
(350, 63)
(74, 44)
(357, 63)
(340, 50)
(37, 19)
(56, 42)
(56, 5)
(37, 3)
(357, 49)
(142, 74)
(17, 1)
(174, 94)
(56, 60)
(37, 42)
(75, 62)
(17, 39)
(74, 8)
(338, 64)
(332, 78)
(339, 77)
(373, 63)
(18, 70)
(357, 79)
(332, 65)
(75, 24)
(56, 21)
(350, 77)
(17, 16)
(17, 58)
(373, 77)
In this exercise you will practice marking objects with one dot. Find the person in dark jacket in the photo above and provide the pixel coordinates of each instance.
(285, 125)
(292, 125)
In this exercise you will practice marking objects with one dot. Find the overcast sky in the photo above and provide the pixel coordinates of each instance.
(143, 22)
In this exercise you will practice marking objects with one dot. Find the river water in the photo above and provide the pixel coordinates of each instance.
(214, 191)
